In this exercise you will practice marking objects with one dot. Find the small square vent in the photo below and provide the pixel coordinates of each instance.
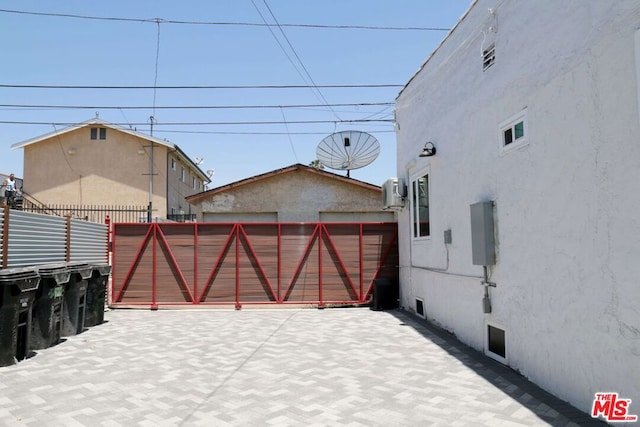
(420, 307)
(488, 57)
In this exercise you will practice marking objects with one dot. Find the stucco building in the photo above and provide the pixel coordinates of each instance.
(296, 193)
(533, 109)
(97, 163)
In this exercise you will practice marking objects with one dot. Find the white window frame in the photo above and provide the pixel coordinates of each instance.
(491, 354)
(194, 183)
(412, 210)
(173, 163)
(183, 174)
(510, 123)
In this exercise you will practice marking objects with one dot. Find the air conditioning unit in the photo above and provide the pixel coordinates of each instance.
(393, 193)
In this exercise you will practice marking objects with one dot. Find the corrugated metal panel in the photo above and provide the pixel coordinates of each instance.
(88, 242)
(1, 240)
(35, 239)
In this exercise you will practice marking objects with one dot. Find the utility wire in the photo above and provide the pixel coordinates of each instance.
(258, 133)
(155, 78)
(246, 24)
(315, 87)
(7, 122)
(336, 86)
(194, 107)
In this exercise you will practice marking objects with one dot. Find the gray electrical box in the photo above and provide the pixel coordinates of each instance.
(482, 239)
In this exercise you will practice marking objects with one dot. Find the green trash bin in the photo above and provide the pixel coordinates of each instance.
(48, 306)
(96, 293)
(18, 287)
(75, 294)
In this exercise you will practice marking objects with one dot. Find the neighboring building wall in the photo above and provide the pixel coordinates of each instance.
(75, 169)
(566, 199)
(180, 184)
(294, 196)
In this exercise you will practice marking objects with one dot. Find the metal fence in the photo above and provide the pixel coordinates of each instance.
(30, 239)
(92, 213)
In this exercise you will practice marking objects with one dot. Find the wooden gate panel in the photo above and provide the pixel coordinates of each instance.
(215, 264)
(319, 263)
(299, 263)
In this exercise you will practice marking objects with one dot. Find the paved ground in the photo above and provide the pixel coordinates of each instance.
(276, 367)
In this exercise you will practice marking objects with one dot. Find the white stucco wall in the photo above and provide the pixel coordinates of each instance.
(566, 203)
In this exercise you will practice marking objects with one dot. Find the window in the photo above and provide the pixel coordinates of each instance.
(513, 131)
(420, 202)
(173, 163)
(488, 57)
(194, 183)
(183, 175)
(101, 132)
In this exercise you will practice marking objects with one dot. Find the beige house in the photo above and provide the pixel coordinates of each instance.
(97, 163)
(295, 193)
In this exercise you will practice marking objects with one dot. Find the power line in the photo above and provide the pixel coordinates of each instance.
(257, 133)
(194, 107)
(209, 123)
(315, 86)
(245, 24)
(336, 86)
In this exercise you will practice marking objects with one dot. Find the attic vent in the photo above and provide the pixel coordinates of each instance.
(488, 57)
(420, 307)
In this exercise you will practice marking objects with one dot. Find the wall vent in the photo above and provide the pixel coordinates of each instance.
(488, 57)
(496, 343)
(420, 307)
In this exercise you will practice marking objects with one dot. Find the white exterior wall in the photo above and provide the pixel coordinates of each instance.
(567, 204)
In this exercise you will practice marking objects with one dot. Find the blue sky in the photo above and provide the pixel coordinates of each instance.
(48, 50)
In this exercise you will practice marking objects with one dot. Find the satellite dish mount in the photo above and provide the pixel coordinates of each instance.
(348, 150)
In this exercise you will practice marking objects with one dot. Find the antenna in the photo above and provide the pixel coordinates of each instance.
(348, 150)
(199, 161)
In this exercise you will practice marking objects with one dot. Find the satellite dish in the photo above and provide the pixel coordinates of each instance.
(347, 150)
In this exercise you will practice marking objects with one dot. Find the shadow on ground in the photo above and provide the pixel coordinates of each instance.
(502, 377)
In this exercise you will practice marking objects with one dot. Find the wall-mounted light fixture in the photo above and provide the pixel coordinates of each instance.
(71, 151)
(141, 151)
(428, 150)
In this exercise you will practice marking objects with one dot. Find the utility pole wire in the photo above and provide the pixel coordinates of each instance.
(245, 24)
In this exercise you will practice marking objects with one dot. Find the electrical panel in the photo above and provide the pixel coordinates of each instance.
(482, 237)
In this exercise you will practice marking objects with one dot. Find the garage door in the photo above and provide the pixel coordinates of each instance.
(357, 217)
(240, 217)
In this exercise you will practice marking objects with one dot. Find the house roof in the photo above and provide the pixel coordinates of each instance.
(282, 171)
(97, 121)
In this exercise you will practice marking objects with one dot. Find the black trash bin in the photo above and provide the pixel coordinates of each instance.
(18, 288)
(385, 294)
(75, 294)
(48, 306)
(96, 292)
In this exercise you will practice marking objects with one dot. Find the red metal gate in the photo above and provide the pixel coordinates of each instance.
(250, 263)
